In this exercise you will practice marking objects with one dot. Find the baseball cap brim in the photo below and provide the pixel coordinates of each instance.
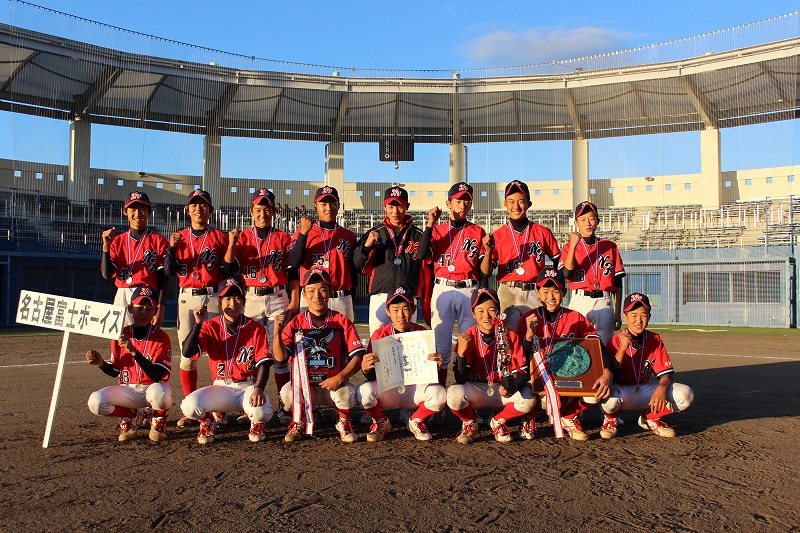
(396, 200)
(140, 299)
(130, 203)
(397, 298)
(461, 194)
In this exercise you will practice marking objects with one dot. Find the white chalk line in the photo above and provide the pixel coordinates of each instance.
(53, 363)
(740, 356)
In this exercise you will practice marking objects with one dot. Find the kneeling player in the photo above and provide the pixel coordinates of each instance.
(478, 382)
(142, 359)
(427, 399)
(550, 323)
(639, 354)
(239, 358)
(332, 351)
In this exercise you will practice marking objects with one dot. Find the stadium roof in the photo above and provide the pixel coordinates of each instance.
(50, 76)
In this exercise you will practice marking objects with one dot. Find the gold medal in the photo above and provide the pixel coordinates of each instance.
(401, 389)
(228, 381)
(490, 390)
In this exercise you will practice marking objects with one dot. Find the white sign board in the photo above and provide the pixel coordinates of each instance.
(403, 360)
(70, 314)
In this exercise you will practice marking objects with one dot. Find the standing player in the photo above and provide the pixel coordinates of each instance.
(639, 355)
(195, 255)
(239, 358)
(327, 246)
(142, 360)
(426, 399)
(388, 254)
(478, 382)
(262, 256)
(333, 353)
(594, 270)
(521, 247)
(135, 257)
(462, 256)
(550, 323)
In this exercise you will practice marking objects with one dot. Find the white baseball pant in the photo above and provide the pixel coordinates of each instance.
(432, 396)
(223, 398)
(625, 397)
(515, 302)
(474, 394)
(448, 305)
(598, 311)
(158, 396)
(344, 398)
(186, 306)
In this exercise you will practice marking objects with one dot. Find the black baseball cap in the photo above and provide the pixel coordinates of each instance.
(515, 186)
(136, 197)
(551, 275)
(263, 194)
(315, 275)
(582, 207)
(326, 191)
(142, 293)
(483, 294)
(199, 195)
(400, 294)
(229, 285)
(396, 194)
(459, 190)
(635, 299)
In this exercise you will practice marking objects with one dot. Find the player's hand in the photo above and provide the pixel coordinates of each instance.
(433, 215)
(333, 383)
(126, 344)
(503, 392)
(531, 323)
(574, 238)
(625, 337)
(200, 314)
(93, 357)
(174, 239)
(602, 387)
(617, 321)
(436, 357)
(305, 224)
(463, 344)
(488, 242)
(373, 237)
(257, 399)
(278, 324)
(233, 236)
(108, 236)
(658, 402)
(368, 362)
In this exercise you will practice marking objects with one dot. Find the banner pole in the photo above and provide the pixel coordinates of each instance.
(56, 389)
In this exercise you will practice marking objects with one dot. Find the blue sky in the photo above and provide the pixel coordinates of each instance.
(410, 35)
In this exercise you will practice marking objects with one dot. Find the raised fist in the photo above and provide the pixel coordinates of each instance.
(108, 236)
(174, 239)
(305, 224)
(200, 314)
(93, 357)
(433, 215)
(463, 344)
(488, 242)
(373, 237)
(233, 236)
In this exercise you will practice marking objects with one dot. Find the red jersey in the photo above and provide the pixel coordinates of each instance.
(155, 347)
(481, 359)
(330, 250)
(137, 261)
(234, 356)
(263, 258)
(597, 266)
(329, 348)
(569, 324)
(388, 329)
(525, 249)
(638, 364)
(199, 258)
(460, 248)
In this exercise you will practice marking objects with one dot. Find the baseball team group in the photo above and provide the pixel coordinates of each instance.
(257, 298)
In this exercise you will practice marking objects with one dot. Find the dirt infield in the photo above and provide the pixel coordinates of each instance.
(733, 465)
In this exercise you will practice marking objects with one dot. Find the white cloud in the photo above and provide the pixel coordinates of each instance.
(541, 45)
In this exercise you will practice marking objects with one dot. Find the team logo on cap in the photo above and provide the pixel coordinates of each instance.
(136, 195)
(395, 192)
(262, 192)
(636, 297)
(550, 273)
(400, 290)
(327, 190)
(463, 187)
(145, 291)
(197, 192)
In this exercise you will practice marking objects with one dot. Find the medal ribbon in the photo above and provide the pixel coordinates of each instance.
(327, 244)
(520, 252)
(553, 400)
(132, 263)
(398, 250)
(637, 369)
(228, 358)
(595, 265)
(489, 373)
(550, 338)
(192, 238)
(262, 262)
(301, 388)
(452, 255)
(143, 352)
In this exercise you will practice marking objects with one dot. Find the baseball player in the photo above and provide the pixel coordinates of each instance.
(425, 399)
(388, 254)
(327, 246)
(478, 381)
(195, 254)
(136, 257)
(521, 247)
(333, 353)
(552, 322)
(142, 360)
(239, 358)
(462, 256)
(261, 256)
(639, 355)
(594, 270)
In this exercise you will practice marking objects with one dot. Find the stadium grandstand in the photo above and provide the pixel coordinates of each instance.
(714, 247)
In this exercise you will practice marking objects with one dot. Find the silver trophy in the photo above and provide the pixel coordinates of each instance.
(507, 380)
